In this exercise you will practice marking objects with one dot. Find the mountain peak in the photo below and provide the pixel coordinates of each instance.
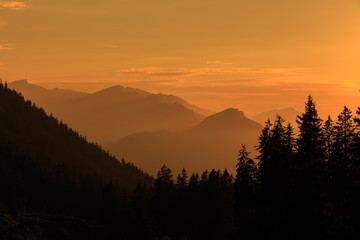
(227, 119)
(118, 89)
(289, 114)
(22, 81)
(232, 112)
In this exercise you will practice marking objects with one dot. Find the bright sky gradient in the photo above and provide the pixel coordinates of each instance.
(251, 54)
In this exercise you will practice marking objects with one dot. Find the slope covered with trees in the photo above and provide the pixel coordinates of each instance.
(47, 167)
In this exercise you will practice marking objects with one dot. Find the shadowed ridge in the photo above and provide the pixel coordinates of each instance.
(118, 89)
(25, 86)
(228, 119)
(170, 98)
(20, 82)
(214, 142)
(113, 95)
(114, 112)
(289, 114)
(47, 97)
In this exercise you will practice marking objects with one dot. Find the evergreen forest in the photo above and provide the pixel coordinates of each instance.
(55, 184)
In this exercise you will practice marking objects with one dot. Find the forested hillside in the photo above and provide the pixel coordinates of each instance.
(47, 167)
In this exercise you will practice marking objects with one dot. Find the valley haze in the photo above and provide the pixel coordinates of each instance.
(152, 129)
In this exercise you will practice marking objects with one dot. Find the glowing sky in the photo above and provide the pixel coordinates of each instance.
(251, 54)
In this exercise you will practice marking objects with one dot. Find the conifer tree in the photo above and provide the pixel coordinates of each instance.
(344, 138)
(264, 141)
(289, 140)
(164, 182)
(193, 181)
(245, 168)
(264, 149)
(278, 139)
(357, 119)
(311, 146)
(276, 150)
(181, 180)
(244, 191)
(329, 134)
(309, 172)
(355, 153)
(356, 147)
(226, 179)
(204, 177)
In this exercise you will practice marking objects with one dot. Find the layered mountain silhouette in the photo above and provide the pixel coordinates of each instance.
(46, 98)
(114, 112)
(214, 143)
(29, 134)
(289, 114)
(48, 169)
(150, 129)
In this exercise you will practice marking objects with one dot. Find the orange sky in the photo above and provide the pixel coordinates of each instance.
(251, 54)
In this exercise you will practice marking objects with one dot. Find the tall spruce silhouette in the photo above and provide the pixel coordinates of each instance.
(311, 155)
(329, 135)
(344, 138)
(244, 193)
(310, 142)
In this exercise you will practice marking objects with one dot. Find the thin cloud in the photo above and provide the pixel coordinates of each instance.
(2, 47)
(156, 71)
(173, 72)
(161, 58)
(12, 5)
(219, 63)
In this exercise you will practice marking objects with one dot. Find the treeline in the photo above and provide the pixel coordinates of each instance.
(304, 186)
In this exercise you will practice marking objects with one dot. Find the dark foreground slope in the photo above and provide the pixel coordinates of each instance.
(47, 167)
(37, 226)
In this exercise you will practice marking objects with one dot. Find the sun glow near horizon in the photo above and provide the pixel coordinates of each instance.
(253, 55)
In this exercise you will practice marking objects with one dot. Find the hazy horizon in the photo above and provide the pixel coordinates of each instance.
(253, 55)
(297, 104)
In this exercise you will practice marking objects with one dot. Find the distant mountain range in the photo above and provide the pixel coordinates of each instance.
(289, 114)
(214, 143)
(115, 112)
(154, 129)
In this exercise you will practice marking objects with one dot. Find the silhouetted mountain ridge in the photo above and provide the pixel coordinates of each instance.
(227, 119)
(114, 112)
(289, 114)
(214, 142)
(48, 97)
